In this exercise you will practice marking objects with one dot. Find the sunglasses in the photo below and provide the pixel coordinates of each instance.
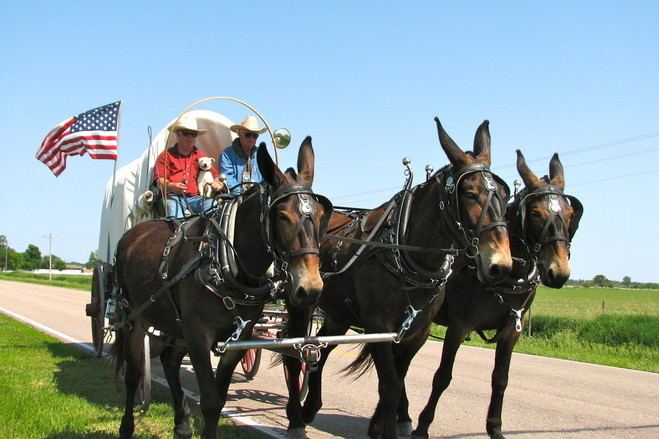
(188, 133)
(250, 135)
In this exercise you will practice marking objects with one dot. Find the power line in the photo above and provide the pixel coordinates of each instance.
(617, 177)
(588, 162)
(590, 148)
(564, 153)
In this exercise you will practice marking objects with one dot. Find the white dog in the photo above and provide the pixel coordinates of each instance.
(205, 178)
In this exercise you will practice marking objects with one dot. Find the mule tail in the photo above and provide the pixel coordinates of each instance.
(362, 364)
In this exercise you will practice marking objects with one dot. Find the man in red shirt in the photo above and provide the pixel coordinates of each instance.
(176, 171)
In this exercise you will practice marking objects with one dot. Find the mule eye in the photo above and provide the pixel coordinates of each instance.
(472, 195)
(535, 214)
(283, 216)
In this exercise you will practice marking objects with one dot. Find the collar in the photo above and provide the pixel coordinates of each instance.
(239, 149)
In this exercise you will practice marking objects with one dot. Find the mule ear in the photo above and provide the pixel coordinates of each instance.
(271, 173)
(556, 172)
(305, 162)
(482, 143)
(529, 178)
(455, 155)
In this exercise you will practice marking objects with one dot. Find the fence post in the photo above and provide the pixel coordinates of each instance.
(528, 313)
(602, 307)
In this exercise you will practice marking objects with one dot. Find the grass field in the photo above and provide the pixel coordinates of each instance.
(608, 326)
(612, 327)
(51, 390)
(76, 282)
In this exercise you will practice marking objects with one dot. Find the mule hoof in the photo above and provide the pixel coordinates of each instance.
(183, 432)
(296, 433)
(418, 436)
(404, 428)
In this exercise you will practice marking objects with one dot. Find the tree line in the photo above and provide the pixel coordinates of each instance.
(33, 259)
(601, 281)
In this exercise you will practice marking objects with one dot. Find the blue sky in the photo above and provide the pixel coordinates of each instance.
(365, 80)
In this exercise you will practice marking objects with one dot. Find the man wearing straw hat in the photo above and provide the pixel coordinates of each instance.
(176, 171)
(238, 161)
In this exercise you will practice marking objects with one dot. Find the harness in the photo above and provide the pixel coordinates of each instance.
(391, 231)
(528, 284)
(216, 262)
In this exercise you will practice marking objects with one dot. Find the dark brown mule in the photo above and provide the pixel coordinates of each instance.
(541, 221)
(459, 210)
(195, 316)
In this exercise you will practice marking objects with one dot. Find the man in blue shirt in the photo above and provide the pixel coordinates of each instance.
(238, 161)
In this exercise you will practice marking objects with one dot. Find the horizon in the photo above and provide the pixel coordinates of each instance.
(365, 82)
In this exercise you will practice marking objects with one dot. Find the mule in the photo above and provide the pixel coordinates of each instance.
(196, 313)
(541, 221)
(457, 212)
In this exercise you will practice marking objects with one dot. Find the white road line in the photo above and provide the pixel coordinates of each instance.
(228, 412)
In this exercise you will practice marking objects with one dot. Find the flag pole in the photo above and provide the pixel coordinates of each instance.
(114, 169)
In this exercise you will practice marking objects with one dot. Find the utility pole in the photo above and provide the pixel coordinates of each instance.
(5, 242)
(50, 256)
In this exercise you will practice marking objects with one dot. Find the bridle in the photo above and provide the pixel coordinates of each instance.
(562, 232)
(495, 205)
(307, 211)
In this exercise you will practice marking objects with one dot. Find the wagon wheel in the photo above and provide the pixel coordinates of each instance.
(96, 310)
(144, 387)
(303, 380)
(250, 362)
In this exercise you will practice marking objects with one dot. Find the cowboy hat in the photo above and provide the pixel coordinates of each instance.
(186, 123)
(249, 124)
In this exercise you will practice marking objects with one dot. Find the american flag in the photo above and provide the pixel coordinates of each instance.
(93, 132)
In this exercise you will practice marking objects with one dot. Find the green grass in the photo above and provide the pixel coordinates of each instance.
(572, 324)
(76, 282)
(52, 390)
(587, 302)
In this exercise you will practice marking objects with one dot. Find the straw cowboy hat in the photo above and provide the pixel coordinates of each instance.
(249, 124)
(186, 123)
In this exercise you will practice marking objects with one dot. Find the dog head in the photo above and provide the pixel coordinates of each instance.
(205, 163)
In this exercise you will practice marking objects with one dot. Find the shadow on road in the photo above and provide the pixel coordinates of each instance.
(605, 431)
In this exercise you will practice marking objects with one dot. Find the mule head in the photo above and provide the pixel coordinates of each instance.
(479, 203)
(548, 219)
(297, 218)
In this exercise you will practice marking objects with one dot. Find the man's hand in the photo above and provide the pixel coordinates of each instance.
(217, 185)
(177, 188)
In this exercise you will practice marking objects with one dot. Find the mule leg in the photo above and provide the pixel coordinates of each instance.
(383, 421)
(455, 335)
(404, 420)
(199, 350)
(296, 424)
(298, 326)
(228, 362)
(404, 353)
(133, 346)
(314, 401)
(171, 359)
(503, 356)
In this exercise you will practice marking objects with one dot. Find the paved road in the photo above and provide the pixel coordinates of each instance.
(546, 398)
